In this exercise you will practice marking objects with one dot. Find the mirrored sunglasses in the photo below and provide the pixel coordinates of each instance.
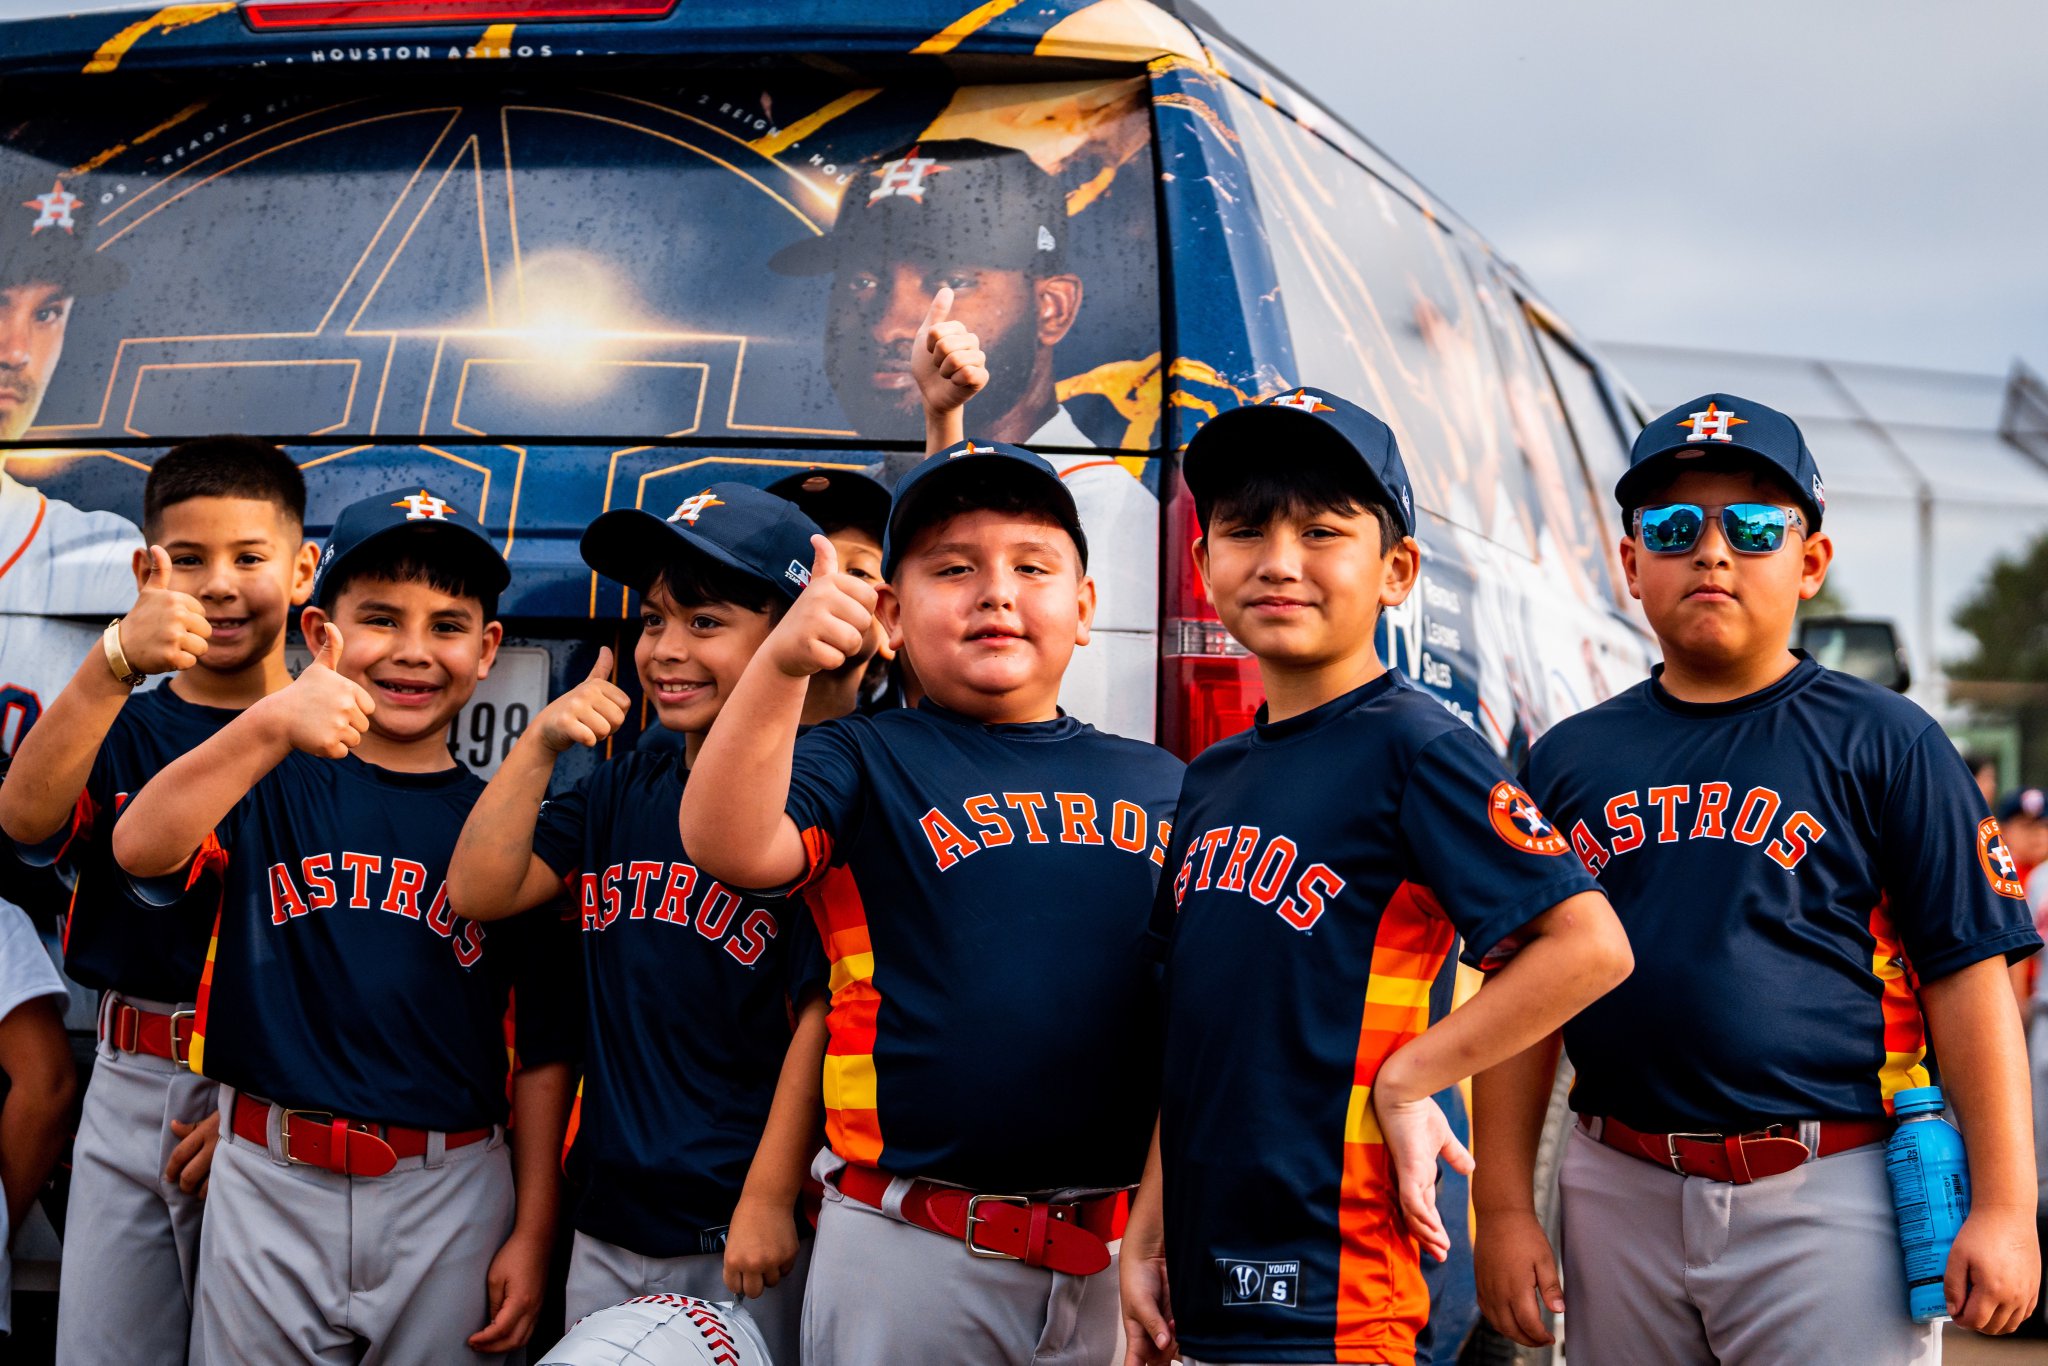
(1750, 528)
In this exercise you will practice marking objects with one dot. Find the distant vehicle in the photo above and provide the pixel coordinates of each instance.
(549, 257)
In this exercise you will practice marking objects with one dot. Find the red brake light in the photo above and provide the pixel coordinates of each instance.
(1209, 686)
(299, 14)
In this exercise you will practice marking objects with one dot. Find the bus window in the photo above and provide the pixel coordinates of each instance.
(1585, 404)
(1380, 308)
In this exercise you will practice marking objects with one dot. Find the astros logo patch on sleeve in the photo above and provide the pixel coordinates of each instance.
(1516, 820)
(1996, 860)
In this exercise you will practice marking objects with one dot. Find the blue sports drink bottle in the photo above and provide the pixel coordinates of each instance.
(1930, 1194)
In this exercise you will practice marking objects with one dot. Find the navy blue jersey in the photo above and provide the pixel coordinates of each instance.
(690, 987)
(1789, 866)
(111, 942)
(1323, 870)
(982, 892)
(338, 978)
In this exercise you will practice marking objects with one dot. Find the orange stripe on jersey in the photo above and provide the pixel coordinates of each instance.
(42, 507)
(1382, 1302)
(817, 850)
(853, 1128)
(210, 856)
(575, 1124)
(1905, 1029)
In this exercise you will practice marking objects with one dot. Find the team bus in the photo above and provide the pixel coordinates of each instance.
(543, 258)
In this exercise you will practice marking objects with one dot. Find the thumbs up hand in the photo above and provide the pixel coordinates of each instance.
(324, 712)
(828, 623)
(165, 631)
(946, 360)
(588, 712)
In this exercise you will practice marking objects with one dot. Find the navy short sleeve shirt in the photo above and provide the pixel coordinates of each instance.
(689, 987)
(1323, 872)
(982, 892)
(338, 978)
(1789, 866)
(112, 943)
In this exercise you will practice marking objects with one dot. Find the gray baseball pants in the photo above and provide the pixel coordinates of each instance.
(1681, 1270)
(131, 1239)
(602, 1274)
(883, 1292)
(300, 1264)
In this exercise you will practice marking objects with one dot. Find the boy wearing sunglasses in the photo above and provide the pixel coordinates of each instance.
(1818, 900)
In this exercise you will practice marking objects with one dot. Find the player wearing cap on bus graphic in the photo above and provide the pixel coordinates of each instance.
(1324, 867)
(980, 868)
(686, 1162)
(1819, 904)
(227, 565)
(987, 225)
(363, 1199)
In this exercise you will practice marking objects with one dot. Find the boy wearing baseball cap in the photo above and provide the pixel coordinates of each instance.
(226, 565)
(1818, 901)
(852, 510)
(362, 1198)
(691, 986)
(979, 867)
(1324, 867)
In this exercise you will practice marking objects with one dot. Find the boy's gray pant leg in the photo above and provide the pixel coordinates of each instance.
(300, 1264)
(1800, 1267)
(883, 1293)
(131, 1239)
(602, 1274)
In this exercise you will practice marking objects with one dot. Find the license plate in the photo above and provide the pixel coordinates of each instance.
(504, 704)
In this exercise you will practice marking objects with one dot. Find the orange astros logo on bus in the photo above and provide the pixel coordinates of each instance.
(1516, 820)
(905, 176)
(1997, 861)
(54, 209)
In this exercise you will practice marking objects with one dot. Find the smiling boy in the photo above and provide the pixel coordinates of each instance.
(1817, 899)
(363, 1197)
(226, 565)
(686, 1159)
(1326, 865)
(980, 868)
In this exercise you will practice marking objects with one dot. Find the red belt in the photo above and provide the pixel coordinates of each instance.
(132, 1029)
(1071, 1237)
(315, 1138)
(1740, 1158)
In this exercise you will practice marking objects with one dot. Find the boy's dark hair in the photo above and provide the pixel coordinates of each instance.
(699, 581)
(1715, 462)
(405, 560)
(1301, 490)
(223, 467)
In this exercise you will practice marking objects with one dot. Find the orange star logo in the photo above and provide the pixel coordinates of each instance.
(1304, 400)
(1713, 424)
(425, 507)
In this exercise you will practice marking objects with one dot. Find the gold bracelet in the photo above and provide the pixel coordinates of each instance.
(117, 659)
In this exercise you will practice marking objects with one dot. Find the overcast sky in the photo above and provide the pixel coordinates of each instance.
(1863, 181)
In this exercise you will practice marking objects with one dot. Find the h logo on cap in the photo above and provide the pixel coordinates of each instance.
(905, 176)
(1304, 400)
(53, 210)
(1713, 424)
(693, 507)
(425, 507)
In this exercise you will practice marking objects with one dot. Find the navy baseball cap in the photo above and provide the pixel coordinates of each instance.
(1302, 421)
(929, 201)
(740, 526)
(445, 530)
(837, 498)
(995, 461)
(1720, 423)
(2026, 801)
